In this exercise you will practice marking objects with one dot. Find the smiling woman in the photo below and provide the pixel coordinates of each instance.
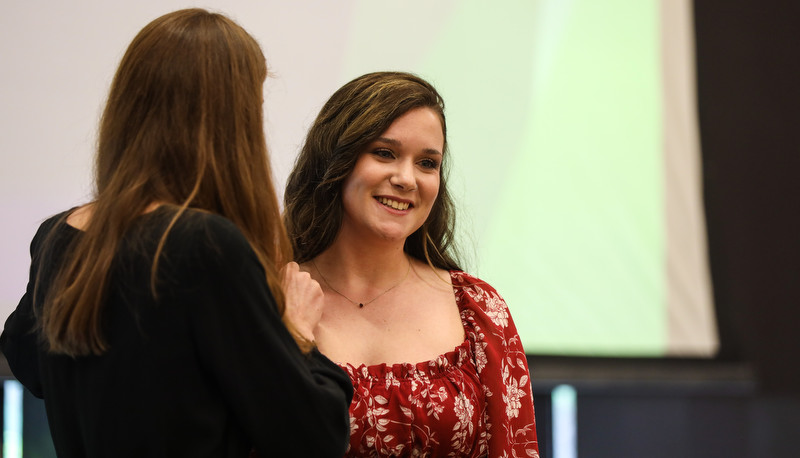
(392, 188)
(433, 354)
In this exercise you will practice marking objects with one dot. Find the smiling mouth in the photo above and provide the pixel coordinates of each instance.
(393, 203)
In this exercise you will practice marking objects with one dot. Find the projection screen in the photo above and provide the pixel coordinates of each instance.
(572, 129)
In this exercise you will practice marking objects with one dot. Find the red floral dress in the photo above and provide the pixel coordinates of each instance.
(473, 401)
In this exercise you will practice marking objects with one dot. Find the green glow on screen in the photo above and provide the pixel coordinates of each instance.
(554, 118)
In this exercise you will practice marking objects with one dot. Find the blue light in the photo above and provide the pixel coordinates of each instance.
(12, 419)
(565, 422)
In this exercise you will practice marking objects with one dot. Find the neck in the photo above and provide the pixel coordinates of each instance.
(362, 264)
(362, 268)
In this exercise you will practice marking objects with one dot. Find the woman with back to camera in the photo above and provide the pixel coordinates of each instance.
(159, 320)
(434, 357)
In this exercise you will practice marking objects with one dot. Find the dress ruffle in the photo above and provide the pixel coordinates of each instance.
(434, 368)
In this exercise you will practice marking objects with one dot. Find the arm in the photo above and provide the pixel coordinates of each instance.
(290, 404)
(20, 340)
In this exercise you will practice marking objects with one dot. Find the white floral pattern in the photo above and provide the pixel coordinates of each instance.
(473, 401)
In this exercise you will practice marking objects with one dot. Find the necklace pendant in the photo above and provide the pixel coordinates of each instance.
(361, 304)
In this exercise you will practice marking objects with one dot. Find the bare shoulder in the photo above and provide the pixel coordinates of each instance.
(431, 289)
(434, 277)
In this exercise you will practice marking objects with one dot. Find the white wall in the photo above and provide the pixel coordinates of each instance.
(58, 59)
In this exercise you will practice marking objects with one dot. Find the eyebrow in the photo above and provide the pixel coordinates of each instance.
(393, 142)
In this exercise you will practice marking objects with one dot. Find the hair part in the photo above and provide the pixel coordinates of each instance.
(354, 116)
(182, 126)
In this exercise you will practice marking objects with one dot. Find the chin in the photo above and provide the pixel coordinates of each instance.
(398, 235)
(394, 237)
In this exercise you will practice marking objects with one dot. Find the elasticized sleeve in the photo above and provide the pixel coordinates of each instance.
(250, 353)
(504, 374)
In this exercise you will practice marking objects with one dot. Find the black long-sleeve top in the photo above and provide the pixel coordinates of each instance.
(206, 370)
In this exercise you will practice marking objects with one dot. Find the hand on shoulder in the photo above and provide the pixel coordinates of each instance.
(303, 300)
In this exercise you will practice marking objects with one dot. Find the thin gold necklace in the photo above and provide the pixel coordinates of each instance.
(361, 304)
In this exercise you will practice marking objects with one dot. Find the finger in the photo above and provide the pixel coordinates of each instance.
(288, 271)
(290, 266)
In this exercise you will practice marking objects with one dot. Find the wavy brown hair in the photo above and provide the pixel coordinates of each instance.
(354, 116)
(183, 126)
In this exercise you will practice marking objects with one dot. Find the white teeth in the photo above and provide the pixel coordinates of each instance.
(393, 203)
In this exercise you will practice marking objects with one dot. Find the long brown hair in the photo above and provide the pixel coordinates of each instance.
(183, 126)
(355, 115)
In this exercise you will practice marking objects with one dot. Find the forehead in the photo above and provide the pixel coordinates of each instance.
(419, 125)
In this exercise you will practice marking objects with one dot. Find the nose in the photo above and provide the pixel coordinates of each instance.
(403, 176)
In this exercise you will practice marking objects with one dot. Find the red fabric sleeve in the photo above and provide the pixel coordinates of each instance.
(503, 371)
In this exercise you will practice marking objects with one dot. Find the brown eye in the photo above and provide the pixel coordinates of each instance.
(429, 164)
(383, 153)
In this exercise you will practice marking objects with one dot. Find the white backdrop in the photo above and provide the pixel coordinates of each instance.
(58, 59)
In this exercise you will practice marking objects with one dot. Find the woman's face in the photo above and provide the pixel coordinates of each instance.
(395, 181)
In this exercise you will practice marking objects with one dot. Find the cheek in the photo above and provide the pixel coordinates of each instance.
(348, 194)
(431, 188)
(365, 174)
(356, 189)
